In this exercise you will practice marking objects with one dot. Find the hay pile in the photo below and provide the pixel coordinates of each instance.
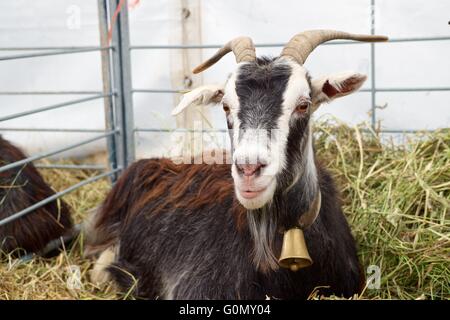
(397, 202)
(47, 278)
(396, 199)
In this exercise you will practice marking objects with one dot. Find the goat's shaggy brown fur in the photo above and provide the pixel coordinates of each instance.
(20, 188)
(168, 184)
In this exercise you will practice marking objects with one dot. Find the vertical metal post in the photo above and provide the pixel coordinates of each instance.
(121, 72)
(115, 149)
(372, 66)
(188, 14)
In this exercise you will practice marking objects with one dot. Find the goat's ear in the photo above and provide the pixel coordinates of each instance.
(328, 88)
(200, 96)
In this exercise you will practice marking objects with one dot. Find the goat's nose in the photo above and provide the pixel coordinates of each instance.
(249, 170)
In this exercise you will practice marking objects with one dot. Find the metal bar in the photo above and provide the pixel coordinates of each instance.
(226, 130)
(54, 106)
(71, 166)
(107, 83)
(115, 76)
(51, 153)
(21, 93)
(193, 46)
(50, 48)
(208, 46)
(217, 46)
(406, 130)
(159, 91)
(178, 130)
(275, 45)
(407, 89)
(54, 197)
(127, 84)
(50, 53)
(53, 130)
(414, 39)
(361, 90)
(121, 66)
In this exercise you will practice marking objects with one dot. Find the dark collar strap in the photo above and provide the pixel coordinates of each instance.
(310, 216)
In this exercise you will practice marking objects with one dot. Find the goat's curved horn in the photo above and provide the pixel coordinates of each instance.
(242, 47)
(302, 44)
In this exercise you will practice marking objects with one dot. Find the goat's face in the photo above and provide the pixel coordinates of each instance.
(268, 105)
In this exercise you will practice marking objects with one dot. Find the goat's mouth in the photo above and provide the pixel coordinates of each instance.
(250, 194)
(255, 198)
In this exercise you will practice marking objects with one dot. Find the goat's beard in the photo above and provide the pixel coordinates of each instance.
(262, 225)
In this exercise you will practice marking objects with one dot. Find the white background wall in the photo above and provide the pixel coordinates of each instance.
(55, 23)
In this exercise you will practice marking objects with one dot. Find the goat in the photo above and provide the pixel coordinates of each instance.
(20, 188)
(198, 231)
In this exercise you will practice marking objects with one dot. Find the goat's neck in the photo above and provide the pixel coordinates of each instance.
(297, 198)
(283, 213)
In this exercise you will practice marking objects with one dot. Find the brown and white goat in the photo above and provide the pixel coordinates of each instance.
(198, 231)
(20, 188)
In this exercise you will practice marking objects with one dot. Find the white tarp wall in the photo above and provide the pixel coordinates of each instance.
(74, 23)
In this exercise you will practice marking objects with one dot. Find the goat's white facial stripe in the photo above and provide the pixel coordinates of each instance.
(310, 171)
(297, 87)
(230, 97)
(232, 100)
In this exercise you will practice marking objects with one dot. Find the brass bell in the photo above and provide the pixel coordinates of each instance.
(294, 253)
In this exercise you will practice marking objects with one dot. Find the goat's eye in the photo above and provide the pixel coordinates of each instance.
(226, 108)
(302, 107)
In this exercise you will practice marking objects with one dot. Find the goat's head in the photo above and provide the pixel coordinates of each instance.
(268, 103)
